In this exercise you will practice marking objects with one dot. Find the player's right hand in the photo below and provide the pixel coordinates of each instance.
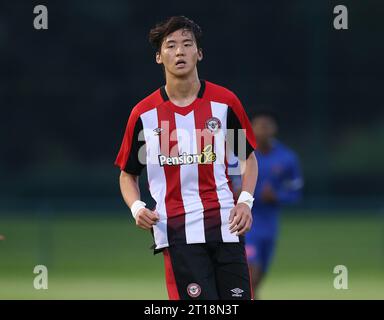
(146, 218)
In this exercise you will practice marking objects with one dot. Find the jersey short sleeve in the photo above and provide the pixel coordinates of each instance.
(131, 158)
(241, 138)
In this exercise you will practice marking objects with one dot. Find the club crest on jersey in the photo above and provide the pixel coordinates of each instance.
(213, 124)
(193, 290)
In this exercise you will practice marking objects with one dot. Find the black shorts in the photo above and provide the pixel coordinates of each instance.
(207, 271)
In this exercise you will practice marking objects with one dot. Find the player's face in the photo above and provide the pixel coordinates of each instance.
(179, 53)
(264, 128)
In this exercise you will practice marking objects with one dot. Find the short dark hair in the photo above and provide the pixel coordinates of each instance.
(266, 113)
(172, 24)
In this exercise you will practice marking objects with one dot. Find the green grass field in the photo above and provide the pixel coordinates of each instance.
(107, 257)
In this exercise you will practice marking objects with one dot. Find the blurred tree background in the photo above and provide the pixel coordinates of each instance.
(66, 92)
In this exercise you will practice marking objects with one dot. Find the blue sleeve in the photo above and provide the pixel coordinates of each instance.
(290, 190)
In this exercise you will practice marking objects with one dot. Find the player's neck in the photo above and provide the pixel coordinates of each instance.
(183, 91)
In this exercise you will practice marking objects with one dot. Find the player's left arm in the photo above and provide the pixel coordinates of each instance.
(244, 143)
(241, 216)
(249, 174)
(290, 190)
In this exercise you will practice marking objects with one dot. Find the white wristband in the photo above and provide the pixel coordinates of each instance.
(247, 198)
(136, 206)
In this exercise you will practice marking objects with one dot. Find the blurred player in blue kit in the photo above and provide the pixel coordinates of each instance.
(279, 182)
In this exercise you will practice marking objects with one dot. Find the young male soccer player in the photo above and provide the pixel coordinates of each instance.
(279, 182)
(180, 133)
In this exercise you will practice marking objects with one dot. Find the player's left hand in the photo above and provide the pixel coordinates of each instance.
(240, 219)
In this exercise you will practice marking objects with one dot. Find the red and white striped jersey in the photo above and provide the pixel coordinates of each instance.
(184, 150)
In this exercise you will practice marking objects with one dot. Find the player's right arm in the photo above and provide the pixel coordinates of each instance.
(131, 161)
(130, 191)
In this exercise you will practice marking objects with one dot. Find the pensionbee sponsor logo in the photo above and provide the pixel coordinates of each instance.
(207, 156)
